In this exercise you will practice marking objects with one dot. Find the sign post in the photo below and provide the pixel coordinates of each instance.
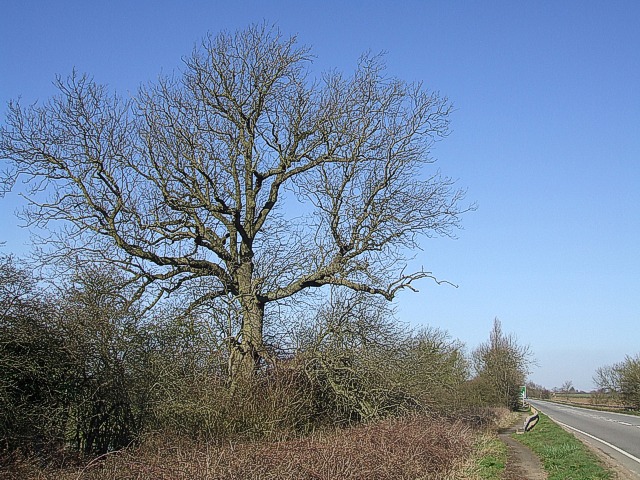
(523, 395)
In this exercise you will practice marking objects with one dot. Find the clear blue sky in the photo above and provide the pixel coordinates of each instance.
(546, 136)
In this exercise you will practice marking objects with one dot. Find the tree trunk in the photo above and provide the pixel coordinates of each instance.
(249, 348)
(248, 351)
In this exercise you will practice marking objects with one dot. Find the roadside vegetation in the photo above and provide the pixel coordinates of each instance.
(621, 381)
(413, 447)
(93, 387)
(563, 455)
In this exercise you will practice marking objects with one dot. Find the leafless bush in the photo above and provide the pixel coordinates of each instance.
(361, 365)
(411, 448)
(33, 366)
(127, 379)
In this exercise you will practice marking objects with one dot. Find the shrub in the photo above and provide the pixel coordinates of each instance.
(413, 447)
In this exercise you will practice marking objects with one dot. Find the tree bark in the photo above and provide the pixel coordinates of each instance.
(248, 351)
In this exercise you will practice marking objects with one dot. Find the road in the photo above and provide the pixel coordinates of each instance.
(617, 434)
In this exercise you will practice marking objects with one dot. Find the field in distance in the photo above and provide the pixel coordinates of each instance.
(593, 399)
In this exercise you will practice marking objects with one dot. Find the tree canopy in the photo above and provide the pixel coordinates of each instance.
(241, 177)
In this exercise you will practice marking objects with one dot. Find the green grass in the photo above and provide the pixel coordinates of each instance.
(564, 457)
(493, 458)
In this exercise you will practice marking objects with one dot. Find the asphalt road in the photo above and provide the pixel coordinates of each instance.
(617, 434)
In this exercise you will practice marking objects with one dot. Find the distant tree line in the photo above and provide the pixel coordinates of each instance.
(538, 391)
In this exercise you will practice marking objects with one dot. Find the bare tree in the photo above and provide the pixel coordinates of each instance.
(607, 378)
(567, 388)
(623, 379)
(501, 365)
(241, 177)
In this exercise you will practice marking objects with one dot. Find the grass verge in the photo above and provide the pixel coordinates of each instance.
(564, 457)
(493, 457)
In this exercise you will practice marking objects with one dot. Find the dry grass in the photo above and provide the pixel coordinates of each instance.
(488, 456)
(597, 401)
(590, 399)
(410, 448)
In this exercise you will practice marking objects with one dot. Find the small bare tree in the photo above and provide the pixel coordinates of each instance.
(567, 388)
(240, 178)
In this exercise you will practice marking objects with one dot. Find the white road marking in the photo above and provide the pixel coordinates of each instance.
(584, 413)
(619, 450)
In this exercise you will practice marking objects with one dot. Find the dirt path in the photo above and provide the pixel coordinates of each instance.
(522, 463)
